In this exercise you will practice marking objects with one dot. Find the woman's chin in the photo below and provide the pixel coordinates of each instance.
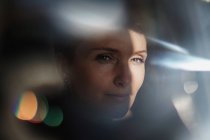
(115, 115)
(104, 113)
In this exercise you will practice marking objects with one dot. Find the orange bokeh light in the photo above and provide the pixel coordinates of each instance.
(27, 106)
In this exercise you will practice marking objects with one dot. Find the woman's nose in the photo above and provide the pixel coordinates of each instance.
(123, 75)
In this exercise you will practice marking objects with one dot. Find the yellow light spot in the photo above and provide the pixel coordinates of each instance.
(28, 106)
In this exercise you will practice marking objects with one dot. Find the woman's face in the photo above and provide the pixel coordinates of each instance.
(108, 72)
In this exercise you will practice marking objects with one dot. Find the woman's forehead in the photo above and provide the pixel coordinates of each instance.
(126, 40)
(111, 37)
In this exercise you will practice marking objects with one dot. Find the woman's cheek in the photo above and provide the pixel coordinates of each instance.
(101, 74)
(138, 77)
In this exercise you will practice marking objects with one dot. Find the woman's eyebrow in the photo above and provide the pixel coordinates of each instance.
(103, 49)
(140, 52)
(89, 51)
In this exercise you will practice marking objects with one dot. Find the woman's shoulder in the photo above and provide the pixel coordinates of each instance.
(137, 128)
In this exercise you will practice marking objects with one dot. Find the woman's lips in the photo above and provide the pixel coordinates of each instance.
(118, 96)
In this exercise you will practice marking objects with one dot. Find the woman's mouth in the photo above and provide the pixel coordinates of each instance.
(118, 96)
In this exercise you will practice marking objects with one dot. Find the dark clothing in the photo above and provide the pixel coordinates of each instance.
(77, 126)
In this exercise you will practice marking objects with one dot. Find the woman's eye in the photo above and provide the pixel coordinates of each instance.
(137, 60)
(105, 58)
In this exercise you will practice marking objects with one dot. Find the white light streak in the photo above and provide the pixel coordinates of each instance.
(183, 62)
(170, 46)
(90, 18)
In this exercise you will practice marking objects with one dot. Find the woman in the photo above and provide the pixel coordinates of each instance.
(102, 76)
(102, 69)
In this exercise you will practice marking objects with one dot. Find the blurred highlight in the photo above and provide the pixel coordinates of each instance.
(27, 106)
(84, 18)
(35, 109)
(182, 62)
(208, 1)
(190, 87)
(41, 111)
(169, 46)
(186, 110)
(54, 117)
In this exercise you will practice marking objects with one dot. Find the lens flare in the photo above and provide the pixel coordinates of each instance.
(54, 117)
(182, 62)
(207, 1)
(190, 87)
(41, 111)
(169, 46)
(27, 106)
(186, 110)
(84, 18)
